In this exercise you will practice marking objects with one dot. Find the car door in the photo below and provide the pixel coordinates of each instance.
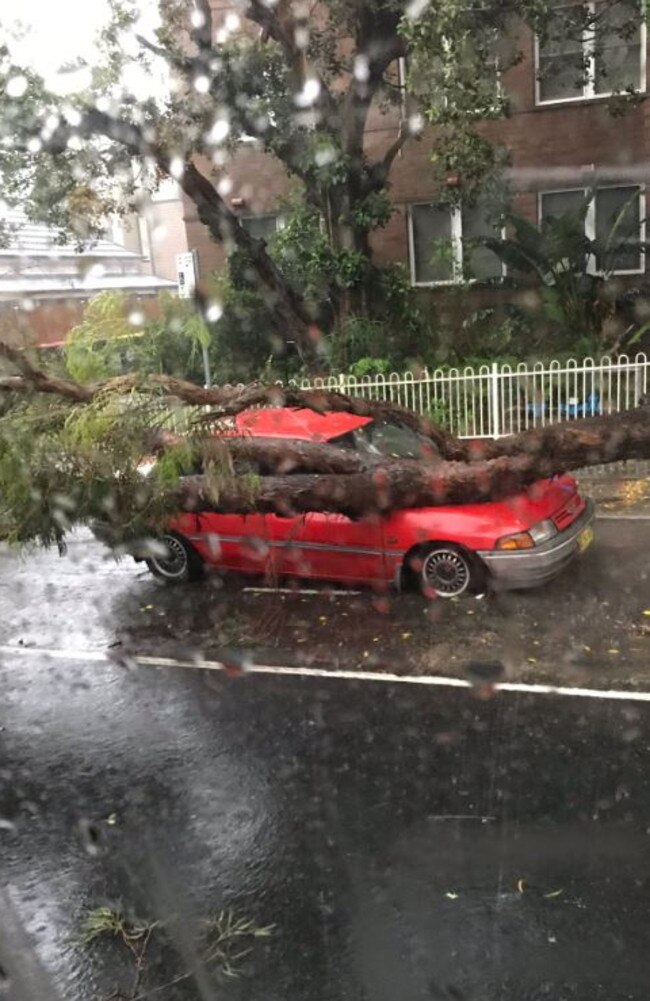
(235, 542)
(329, 547)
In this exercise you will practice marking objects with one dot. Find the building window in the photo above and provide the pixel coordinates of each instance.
(168, 190)
(590, 52)
(614, 219)
(262, 227)
(444, 245)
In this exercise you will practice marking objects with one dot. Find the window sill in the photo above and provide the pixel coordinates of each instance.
(459, 283)
(618, 274)
(563, 102)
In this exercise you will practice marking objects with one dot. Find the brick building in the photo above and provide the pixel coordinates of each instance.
(45, 284)
(562, 138)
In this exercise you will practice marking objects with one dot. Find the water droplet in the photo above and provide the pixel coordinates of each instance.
(309, 93)
(16, 86)
(219, 131)
(415, 8)
(177, 167)
(73, 116)
(214, 312)
(301, 37)
(361, 68)
(90, 837)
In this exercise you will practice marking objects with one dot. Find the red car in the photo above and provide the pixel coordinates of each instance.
(515, 543)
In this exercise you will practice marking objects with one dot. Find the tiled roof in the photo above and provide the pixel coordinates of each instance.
(34, 265)
(36, 239)
(64, 285)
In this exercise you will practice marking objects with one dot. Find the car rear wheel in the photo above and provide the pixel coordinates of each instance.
(447, 571)
(180, 562)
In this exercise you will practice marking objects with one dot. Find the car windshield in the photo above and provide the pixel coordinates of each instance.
(395, 441)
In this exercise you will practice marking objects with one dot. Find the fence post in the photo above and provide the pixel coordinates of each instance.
(494, 387)
(638, 384)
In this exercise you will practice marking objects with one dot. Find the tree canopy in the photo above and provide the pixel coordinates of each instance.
(301, 84)
(72, 452)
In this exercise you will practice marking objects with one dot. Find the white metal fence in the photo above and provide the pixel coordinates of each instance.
(496, 400)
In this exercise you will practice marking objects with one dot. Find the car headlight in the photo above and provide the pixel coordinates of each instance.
(522, 540)
(535, 536)
(542, 532)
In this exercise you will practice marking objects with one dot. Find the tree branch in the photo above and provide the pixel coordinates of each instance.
(276, 456)
(377, 174)
(398, 484)
(315, 476)
(589, 441)
(202, 33)
(33, 379)
(224, 401)
(292, 319)
(277, 21)
(380, 50)
(291, 315)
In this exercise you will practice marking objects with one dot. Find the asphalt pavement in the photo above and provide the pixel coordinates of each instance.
(406, 843)
(589, 627)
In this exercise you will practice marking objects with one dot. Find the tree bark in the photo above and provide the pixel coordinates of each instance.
(390, 485)
(314, 476)
(292, 317)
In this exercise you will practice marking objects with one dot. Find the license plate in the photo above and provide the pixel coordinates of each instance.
(585, 538)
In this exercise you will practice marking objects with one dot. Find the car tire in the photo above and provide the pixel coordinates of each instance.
(447, 571)
(183, 563)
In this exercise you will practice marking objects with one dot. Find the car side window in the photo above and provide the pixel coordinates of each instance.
(348, 441)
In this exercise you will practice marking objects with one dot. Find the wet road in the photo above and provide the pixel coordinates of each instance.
(589, 627)
(384, 830)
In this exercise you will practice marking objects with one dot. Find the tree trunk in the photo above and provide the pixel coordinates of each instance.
(359, 487)
(314, 476)
(292, 318)
(344, 235)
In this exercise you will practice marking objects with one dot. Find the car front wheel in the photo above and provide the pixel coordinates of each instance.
(447, 571)
(178, 562)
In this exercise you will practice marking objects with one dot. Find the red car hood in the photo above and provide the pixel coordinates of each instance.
(557, 499)
(478, 526)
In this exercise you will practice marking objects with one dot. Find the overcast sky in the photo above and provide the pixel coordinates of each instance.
(62, 30)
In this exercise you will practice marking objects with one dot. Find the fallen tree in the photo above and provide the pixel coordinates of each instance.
(71, 452)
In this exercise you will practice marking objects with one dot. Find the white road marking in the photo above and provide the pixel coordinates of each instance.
(431, 680)
(623, 517)
(461, 816)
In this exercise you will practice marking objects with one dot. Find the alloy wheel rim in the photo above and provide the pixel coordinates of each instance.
(176, 564)
(446, 572)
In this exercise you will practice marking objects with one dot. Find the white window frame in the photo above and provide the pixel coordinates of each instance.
(401, 83)
(590, 222)
(589, 85)
(456, 251)
(280, 221)
(168, 190)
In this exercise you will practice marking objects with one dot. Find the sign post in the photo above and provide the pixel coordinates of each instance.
(187, 281)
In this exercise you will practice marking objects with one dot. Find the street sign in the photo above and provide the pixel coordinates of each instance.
(186, 271)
